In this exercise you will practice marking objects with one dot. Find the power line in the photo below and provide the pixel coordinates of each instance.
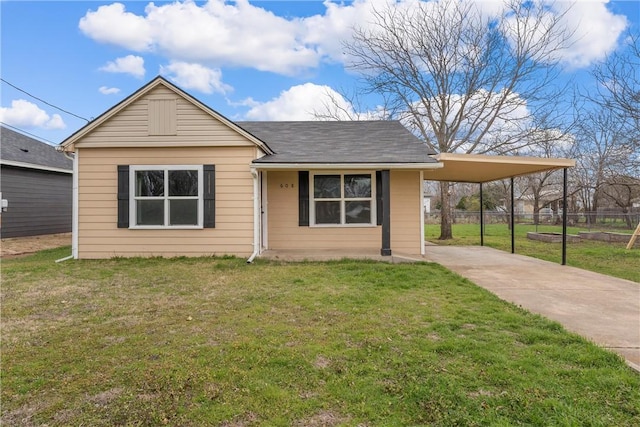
(28, 133)
(42, 100)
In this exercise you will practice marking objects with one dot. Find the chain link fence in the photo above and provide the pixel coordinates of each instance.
(592, 221)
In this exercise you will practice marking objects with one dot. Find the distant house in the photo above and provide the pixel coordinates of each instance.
(36, 182)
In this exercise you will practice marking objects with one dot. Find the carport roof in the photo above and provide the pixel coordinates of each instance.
(477, 168)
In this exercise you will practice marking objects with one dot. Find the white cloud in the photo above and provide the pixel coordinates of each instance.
(596, 35)
(108, 90)
(241, 34)
(331, 30)
(247, 102)
(302, 102)
(129, 64)
(596, 28)
(196, 76)
(215, 33)
(111, 24)
(26, 114)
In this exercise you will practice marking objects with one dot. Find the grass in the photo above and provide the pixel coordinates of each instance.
(602, 257)
(214, 341)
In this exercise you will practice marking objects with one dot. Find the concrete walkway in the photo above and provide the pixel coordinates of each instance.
(601, 308)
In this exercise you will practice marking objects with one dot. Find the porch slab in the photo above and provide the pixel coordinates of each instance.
(298, 255)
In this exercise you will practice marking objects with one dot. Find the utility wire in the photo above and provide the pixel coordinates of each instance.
(29, 133)
(42, 100)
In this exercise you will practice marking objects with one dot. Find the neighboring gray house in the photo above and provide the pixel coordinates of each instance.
(36, 181)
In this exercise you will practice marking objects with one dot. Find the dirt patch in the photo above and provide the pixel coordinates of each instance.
(322, 419)
(18, 246)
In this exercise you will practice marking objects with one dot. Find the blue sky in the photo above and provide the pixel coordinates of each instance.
(257, 60)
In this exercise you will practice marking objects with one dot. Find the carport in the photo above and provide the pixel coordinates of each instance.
(481, 169)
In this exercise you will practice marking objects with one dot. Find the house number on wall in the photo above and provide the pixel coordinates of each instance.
(286, 185)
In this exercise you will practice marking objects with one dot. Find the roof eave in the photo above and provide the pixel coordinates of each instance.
(525, 160)
(345, 166)
(34, 166)
(475, 168)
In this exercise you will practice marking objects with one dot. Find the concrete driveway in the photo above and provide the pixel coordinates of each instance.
(601, 308)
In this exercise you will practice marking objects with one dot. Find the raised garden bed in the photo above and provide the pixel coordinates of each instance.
(605, 236)
(552, 237)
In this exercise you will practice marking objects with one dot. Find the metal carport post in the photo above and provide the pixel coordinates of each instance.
(480, 168)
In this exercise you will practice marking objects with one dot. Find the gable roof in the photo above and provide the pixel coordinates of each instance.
(158, 81)
(20, 150)
(339, 142)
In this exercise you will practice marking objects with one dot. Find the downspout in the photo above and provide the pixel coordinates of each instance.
(74, 206)
(422, 249)
(75, 219)
(256, 216)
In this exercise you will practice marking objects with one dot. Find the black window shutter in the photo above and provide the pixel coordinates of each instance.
(379, 197)
(209, 196)
(123, 196)
(303, 198)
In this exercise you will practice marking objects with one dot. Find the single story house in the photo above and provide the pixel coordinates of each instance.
(35, 182)
(162, 174)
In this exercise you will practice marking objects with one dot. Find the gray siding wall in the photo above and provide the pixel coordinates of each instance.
(40, 202)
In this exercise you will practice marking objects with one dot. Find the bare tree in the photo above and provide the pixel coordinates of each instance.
(343, 105)
(606, 149)
(464, 80)
(618, 79)
(608, 131)
(545, 186)
(622, 190)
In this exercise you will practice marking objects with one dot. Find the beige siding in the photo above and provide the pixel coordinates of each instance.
(405, 211)
(284, 232)
(99, 236)
(162, 116)
(192, 126)
(283, 229)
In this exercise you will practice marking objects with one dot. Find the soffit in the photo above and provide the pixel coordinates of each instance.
(476, 168)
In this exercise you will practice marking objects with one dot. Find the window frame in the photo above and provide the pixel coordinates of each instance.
(166, 197)
(342, 199)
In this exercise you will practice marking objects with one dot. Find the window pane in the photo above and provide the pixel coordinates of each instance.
(357, 186)
(183, 212)
(183, 183)
(326, 186)
(327, 212)
(150, 212)
(358, 212)
(149, 183)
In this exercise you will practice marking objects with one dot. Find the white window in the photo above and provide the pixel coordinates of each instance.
(166, 196)
(346, 199)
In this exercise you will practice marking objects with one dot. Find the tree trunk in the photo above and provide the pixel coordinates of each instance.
(536, 210)
(594, 209)
(445, 212)
(627, 218)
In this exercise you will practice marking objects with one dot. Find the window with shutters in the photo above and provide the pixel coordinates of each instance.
(345, 199)
(166, 196)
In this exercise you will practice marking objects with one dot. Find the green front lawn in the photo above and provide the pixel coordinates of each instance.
(214, 341)
(602, 257)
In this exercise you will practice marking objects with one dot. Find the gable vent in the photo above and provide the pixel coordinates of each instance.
(162, 117)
